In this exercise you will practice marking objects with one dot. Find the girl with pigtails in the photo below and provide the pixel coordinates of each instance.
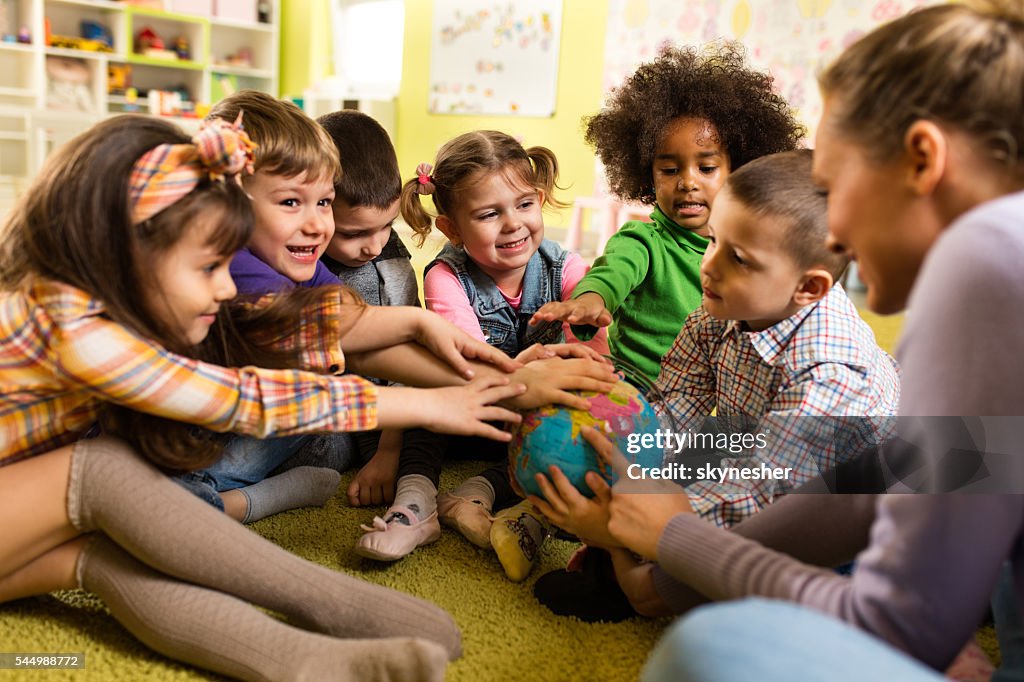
(496, 271)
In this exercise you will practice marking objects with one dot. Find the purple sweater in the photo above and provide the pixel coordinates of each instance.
(931, 561)
(253, 276)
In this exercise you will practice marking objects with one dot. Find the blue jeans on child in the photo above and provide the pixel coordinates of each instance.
(248, 460)
(1009, 629)
(775, 641)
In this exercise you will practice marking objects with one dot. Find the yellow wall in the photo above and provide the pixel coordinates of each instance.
(305, 44)
(305, 58)
(579, 93)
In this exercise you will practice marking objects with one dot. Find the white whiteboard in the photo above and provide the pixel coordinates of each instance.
(495, 57)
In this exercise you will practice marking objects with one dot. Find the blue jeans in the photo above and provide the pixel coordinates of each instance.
(249, 460)
(1009, 629)
(775, 641)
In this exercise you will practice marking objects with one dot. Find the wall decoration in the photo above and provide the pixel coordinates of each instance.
(495, 57)
(792, 39)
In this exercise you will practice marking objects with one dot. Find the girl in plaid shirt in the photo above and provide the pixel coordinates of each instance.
(113, 273)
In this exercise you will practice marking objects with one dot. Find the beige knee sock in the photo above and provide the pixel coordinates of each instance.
(113, 490)
(218, 632)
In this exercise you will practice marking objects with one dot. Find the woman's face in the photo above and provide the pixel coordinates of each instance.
(873, 214)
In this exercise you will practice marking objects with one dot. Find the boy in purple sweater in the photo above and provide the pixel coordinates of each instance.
(292, 189)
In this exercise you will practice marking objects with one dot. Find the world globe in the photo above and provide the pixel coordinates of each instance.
(552, 435)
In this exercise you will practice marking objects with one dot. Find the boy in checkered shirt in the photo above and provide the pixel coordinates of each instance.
(776, 349)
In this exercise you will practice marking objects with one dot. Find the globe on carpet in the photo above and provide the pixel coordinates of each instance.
(551, 435)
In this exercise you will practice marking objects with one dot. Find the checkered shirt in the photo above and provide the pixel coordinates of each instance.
(61, 358)
(800, 381)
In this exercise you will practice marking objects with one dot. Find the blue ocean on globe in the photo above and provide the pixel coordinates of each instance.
(552, 435)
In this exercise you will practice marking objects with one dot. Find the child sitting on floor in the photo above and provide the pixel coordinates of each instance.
(776, 343)
(367, 255)
(116, 316)
(494, 274)
(670, 136)
(291, 189)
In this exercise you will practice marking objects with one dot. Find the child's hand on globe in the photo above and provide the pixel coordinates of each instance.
(567, 508)
(638, 510)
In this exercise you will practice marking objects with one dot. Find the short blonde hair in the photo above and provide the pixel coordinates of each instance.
(288, 141)
(961, 65)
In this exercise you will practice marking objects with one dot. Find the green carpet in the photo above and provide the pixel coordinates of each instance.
(507, 635)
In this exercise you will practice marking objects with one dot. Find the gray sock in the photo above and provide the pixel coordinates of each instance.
(418, 493)
(161, 524)
(298, 487)
(477, 486)
(219, 632)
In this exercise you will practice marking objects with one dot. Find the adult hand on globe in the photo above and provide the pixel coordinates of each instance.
(639, 510)
(564, 506)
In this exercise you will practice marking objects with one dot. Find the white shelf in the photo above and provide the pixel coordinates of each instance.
(31, 122)
(94, 4)
(80, 54)
(16, 47)
(243, 71)
(245, 25)
(17, 92)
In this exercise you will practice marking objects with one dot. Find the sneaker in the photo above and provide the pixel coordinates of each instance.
(591, 594)
(517, 535)
(398, 533)
(471, 516)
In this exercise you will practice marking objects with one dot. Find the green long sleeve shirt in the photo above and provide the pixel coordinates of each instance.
(649, 278)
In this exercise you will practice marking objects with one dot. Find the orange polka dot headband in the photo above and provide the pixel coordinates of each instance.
(168, 172)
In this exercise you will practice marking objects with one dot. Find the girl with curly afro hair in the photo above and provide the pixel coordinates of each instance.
(670, 136)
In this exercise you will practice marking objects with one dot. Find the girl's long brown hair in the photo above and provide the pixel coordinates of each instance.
(73, 225)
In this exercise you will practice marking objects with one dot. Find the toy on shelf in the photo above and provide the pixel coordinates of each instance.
(24, 35)
(131, 100)
(68, 86)
(93, 30)
(242, 57)
(119, 78)
(149, 44)
(174, 102)
(182, 48)
(84, 44)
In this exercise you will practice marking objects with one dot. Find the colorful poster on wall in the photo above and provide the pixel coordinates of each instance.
(792, 39)
(495, 57)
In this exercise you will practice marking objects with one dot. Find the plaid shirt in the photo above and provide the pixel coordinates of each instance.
(794, 381)
(61, 358)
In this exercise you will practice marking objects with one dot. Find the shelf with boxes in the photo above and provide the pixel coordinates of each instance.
(64, 64)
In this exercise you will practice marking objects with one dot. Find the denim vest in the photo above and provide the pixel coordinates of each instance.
(502, 326)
